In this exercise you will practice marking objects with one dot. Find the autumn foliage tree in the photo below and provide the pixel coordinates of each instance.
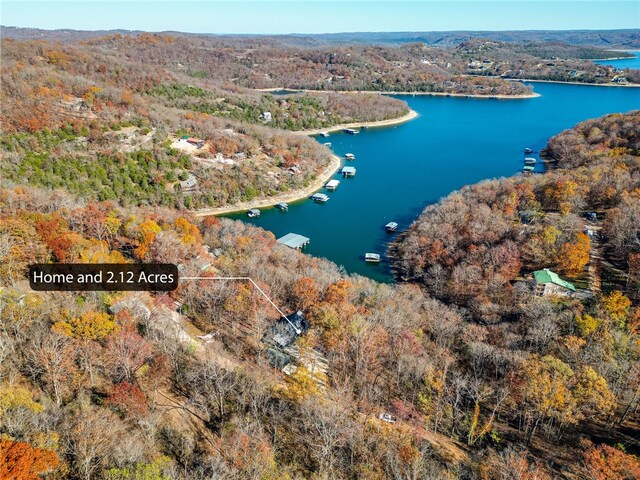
(90, 326)
(603, 462)
(574, 256)
(22, 461)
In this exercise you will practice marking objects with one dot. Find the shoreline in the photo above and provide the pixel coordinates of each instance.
(434, 94)
(320, 180)
(374, 124)
(469, 95)
(291, 196)
(609, 59)
(586, 84)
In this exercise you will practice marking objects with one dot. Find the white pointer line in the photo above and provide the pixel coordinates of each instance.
(297, 330)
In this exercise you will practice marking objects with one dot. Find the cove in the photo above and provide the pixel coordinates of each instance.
(623, 62)
(400, 170)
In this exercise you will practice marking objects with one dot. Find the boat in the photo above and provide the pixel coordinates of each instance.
(529, 161)
(253, 213)
(351, 131)
(327, 144)
(372, 257)
(332, 184)
(528, 151)
(282, 206)
(528, 169)
(391, 227)
(319, 197)
(324, 134)
(349, 156)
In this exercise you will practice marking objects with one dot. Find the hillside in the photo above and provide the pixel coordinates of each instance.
(191, 384)
(471, 247)
(116, 124)
(601, 39)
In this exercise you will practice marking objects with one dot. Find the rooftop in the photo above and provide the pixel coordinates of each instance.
(285, 331)
(547, 276)
(293, 240)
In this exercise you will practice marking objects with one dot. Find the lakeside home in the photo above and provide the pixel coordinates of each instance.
(548, 283)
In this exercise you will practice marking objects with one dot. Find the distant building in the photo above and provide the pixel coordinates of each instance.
(549, 283)
(189, 183)
(240, 156)
(295, 170)
(266, 116)
(197, 142)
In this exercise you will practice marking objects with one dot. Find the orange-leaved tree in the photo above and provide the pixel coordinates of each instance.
(21, 461)
(573, 257)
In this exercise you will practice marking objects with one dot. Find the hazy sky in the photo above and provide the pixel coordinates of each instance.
(306, 16)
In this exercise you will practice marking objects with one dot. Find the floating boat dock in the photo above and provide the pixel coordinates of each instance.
(527, 151)
(293, 240)
(327, 144)
(351, 131)
(391, 227)
(324, 134)
(350, 156)
(319, 197)
(332, 184)
(372, 257)
(282, 206)
(348, 171)
(253, 213)
(529, 161)
(528, 169)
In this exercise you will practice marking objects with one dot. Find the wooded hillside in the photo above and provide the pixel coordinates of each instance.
(498, 383)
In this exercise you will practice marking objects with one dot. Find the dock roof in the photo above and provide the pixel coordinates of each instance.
(293, 240)
(348, 169)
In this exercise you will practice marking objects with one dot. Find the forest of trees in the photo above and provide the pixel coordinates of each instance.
(470, 247)
(495, 383)
(479, 377)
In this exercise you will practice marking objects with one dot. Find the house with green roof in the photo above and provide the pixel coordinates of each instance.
(550, 283)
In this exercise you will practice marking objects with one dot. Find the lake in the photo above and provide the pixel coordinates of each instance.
(623, 63)
(454, 142)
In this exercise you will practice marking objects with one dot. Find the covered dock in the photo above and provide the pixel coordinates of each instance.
(293, 240)
(348, 171)
(332, 184)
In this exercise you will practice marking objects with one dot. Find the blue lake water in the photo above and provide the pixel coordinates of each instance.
(623, 63)
(401, 169)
